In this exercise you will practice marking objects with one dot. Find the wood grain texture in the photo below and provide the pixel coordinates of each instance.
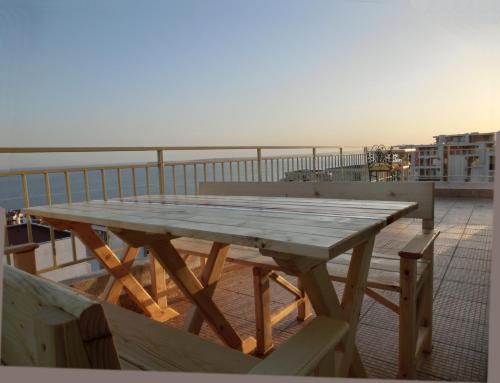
(262, 311)
(114, 288)
(301, 354)
(149, 345)
(120, 272)
(384, 191)
(24, 297)
(418, 245)
(194, 290)
(309, 227)
(209, 277)
(158, 282)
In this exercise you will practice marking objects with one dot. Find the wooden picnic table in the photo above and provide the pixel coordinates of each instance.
(300, 234)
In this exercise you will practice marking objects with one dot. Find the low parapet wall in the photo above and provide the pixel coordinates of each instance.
(464, 189)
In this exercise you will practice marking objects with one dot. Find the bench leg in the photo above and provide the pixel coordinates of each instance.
(158, 282)
(262, 310)
(325, 301)
(427, 298)
(304, 306)
(407, 319)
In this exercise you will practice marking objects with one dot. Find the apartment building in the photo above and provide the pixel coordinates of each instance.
(468, 157)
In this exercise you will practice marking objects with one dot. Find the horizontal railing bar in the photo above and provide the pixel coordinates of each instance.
(89, 168)
(150, 148)
(16, 172)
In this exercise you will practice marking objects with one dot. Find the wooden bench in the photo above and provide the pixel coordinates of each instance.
(410, 273)
(47, 324)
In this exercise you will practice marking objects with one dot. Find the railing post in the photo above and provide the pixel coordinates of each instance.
(27, 205)
(161, 171)
(259, 167)
(342, 164)
(314, 159)
(3, 233)
(314, 176)
(448, 165)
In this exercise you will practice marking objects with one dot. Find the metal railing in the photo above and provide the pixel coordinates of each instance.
(46, 186)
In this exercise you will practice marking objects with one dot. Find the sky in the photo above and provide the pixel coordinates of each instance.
(273, 72)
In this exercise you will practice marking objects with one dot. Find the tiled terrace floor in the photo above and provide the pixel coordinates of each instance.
(461, 293)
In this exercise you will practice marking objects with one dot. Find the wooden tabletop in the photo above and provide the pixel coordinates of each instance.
(313, 227)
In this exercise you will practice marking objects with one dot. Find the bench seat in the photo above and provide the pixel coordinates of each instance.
(143, 344)
(47, 324)
(384, 270)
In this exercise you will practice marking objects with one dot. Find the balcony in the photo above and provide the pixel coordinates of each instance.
(461, 268)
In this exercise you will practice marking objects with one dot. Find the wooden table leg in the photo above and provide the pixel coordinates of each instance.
(114, 266)
(190, 285)
(114, 288)
(352, 298)
(209, 277)
(319, 288)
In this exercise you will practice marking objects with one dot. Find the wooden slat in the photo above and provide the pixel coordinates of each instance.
(423, 334)
(343, 222)
(263, 321)
(158, 282)
(209, 277)
(193, 289)
(279, 240)
(352, 297)
(300, 354)
(114, 266)
(234, 216)
(58, 340)
(285, 284)
(408, 320)
(324, 299)
(383, 300)
(380, 263)
(383, 273)
(418, 245)
(241, 221)
(149, 345)
(25, 295)
(274, 202)
(304, 309)
(114, 288)
(385, 191)
(283, 312)
(23, 248)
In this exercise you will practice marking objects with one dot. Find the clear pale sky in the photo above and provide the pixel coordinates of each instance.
(271, 72)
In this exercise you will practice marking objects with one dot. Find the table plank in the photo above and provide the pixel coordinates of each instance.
(261, 199)
(305, 226)
(323, 206)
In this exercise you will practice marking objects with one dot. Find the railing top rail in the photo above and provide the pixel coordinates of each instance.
(151, 164)
(81, 149)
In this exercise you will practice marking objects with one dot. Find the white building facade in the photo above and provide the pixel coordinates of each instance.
(468, 157)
